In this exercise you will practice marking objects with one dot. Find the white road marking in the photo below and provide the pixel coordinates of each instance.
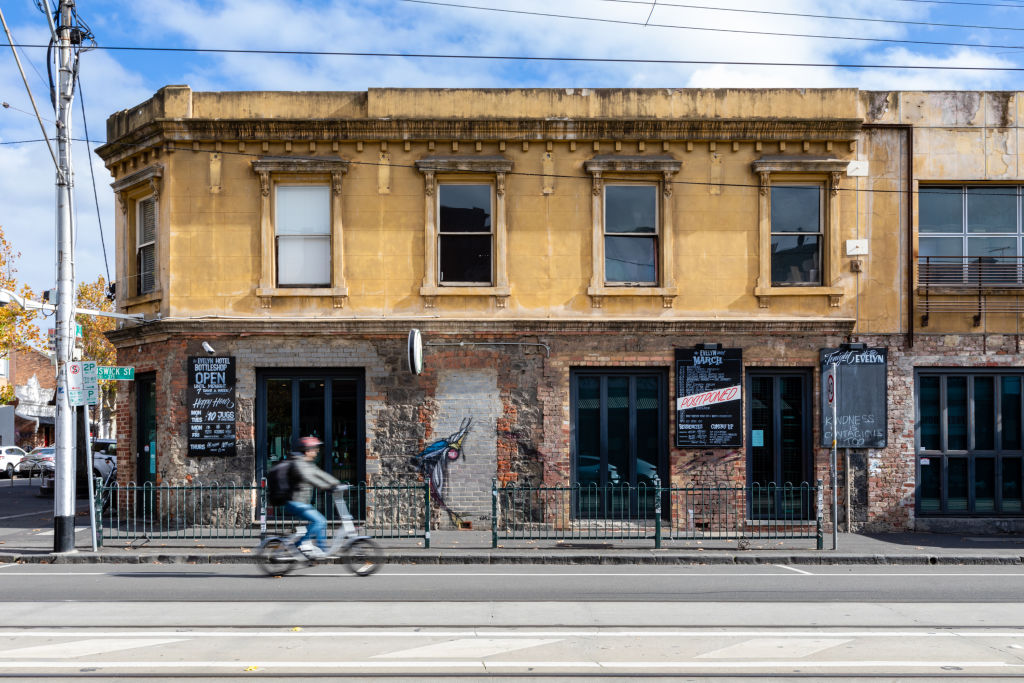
(40, 515)
(794, 569)
(490, 665)
(78, 530)
(80, 648)
(470, 648)
(775, 647)
(511, 632)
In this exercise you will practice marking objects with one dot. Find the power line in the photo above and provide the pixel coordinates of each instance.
(661, 3)
(92, 175)
(526, 58)
(552, 15)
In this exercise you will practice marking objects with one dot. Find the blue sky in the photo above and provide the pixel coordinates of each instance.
(114, 80)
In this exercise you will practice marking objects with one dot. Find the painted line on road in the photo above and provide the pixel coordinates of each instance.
(489, 665)
(794, 569)
(90, 646)
(510, 631)
(1011, 573)
(40, 515)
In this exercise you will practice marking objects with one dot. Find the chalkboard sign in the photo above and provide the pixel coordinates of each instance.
(211, 405)
(709, 398)
(861, 398)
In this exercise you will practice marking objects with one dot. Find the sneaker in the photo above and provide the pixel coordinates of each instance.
(312, 551)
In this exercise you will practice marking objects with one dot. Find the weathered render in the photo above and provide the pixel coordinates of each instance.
(507, 351)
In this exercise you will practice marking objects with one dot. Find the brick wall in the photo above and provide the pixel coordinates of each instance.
(24, 363)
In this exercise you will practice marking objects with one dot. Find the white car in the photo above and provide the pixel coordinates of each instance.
(10, 456)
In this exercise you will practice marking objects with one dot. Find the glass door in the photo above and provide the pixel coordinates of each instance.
(778, 444)
(321, 403)
(619, 442)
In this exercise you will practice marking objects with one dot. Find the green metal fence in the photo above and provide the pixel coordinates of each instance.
(656, 513)
(228, 511)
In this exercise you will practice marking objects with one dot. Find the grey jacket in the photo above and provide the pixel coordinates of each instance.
(306, 477)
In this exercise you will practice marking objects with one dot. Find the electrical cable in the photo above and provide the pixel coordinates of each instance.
(92, 174)
(525, 58)
(816, 36)
(831, 17)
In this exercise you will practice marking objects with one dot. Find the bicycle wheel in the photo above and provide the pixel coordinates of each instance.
(363, 557)
(274, 557)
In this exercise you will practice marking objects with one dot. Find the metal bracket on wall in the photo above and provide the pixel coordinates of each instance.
(547, 349)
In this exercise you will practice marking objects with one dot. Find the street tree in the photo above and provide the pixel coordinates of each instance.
(95, 345)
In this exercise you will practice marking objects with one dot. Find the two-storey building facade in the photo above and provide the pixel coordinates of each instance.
(563, 252)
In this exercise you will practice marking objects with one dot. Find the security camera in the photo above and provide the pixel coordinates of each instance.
(209, 349)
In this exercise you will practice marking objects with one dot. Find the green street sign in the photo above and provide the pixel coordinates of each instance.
(120, 372)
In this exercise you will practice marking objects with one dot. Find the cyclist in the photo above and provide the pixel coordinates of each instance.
(305, 476)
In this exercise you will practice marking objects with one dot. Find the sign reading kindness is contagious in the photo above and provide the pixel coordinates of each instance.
(211, 405)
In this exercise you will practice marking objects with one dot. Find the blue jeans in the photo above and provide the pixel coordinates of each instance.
(317, 523)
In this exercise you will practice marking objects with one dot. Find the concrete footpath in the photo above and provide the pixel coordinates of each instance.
(26, 536)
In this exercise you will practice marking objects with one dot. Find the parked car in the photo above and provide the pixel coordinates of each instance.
(38, 460)
(10, 456)
(104, 457)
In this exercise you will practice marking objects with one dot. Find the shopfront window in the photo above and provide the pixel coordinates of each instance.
(969, 443)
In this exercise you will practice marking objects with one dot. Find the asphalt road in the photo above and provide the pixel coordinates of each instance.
(227, 622)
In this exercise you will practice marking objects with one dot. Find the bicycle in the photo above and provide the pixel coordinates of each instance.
(279, 555)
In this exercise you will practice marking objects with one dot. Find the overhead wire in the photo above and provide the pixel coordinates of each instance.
(528, 58)
(712, 29)
(92, 175)
(778, 13)
(28, 89)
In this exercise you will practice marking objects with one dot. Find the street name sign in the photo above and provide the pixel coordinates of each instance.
(118, 372)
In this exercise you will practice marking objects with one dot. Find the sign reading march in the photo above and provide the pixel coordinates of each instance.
(861, 398)
(211, 405)
(709, 398)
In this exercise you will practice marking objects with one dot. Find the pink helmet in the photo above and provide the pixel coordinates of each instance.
(310, 442)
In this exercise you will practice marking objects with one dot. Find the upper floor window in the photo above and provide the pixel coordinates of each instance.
(969, 235)
(797, 237)
(302, 224)
(138, 234)
(300, 228)
(631, 234)
(465, 234)
(464, 227)
(798, 227)
(632, 227)
(145, 244)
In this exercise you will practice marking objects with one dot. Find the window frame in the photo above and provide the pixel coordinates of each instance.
(140, 289)
(656, 235)
(971, 454)
(961, 272)
(470, 170)
(805, 169)
(820, 185)
(277, 236)
(615, 169)
(464, 181)
(275, 171)
(143, 185)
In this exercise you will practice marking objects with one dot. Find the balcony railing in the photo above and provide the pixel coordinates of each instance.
(975, 284)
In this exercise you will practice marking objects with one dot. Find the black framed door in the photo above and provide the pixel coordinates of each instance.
(145, 435)
(619, 441)
(326, 403)
(779, 443)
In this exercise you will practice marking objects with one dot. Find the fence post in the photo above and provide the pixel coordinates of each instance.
(426, 512)
(262, 494)
(494, 512)
(657, 512)
(821, 503)
(97, 504)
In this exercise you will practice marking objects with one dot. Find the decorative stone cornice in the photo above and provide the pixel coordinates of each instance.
(300, 165)
(624, 163)
(464, 164)
(784, 163)
(151, 175)
(180, 133)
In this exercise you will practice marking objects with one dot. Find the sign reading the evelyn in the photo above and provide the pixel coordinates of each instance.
(211, 405)
(709, 398)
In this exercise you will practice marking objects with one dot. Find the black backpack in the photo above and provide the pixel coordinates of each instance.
(280, 483)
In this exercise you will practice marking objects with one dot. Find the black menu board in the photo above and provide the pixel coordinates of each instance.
(709, 398)
(861, 398)
(211, 405)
